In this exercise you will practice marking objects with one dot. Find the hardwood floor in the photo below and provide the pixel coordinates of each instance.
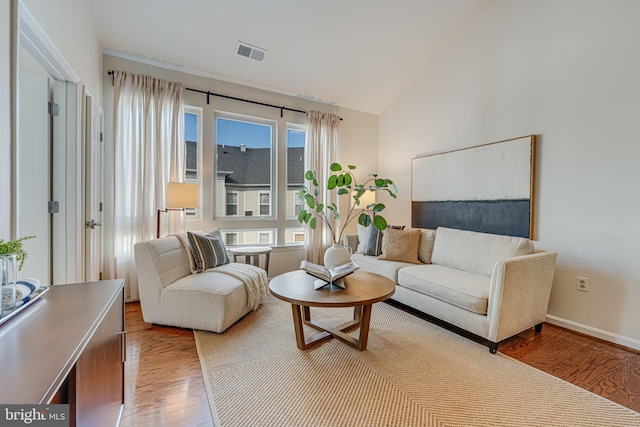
(163, 379)
(164, 385)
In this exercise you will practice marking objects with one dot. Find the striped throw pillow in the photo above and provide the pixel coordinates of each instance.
(208, 251)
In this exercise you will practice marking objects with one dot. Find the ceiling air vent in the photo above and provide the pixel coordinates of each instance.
(251, 52)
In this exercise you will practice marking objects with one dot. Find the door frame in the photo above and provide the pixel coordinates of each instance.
(68, 251)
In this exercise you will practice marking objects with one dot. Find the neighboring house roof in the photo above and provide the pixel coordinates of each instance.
(192, 155)
(252, 166)
(295, 166)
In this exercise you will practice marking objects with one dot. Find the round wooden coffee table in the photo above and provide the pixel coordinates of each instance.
(362, 289)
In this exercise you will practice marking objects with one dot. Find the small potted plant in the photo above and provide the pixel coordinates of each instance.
(343, 182)
(12, 256)
(14, 247)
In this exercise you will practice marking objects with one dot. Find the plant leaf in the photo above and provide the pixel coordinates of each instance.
(379, 222)
(312, 224)
(301, 215)
(347, 179)
(310, 201)
(351, 167)
(364, 219)
(319, 207)
(309, 175)
(379, 207)
(342, 191)
(335, 167)
(332, 182)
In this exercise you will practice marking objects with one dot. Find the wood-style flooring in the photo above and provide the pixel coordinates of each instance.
(164, 385)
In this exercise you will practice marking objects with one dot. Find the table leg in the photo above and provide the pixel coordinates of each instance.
(361, 318)
(364, 327)
(297, 325)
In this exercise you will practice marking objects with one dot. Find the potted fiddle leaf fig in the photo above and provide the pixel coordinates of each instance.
(15, 247)
(343, 182)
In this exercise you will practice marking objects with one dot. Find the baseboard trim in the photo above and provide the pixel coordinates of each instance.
(594, 332)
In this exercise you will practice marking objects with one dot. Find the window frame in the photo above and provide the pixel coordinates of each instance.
(197, 111)
(273, 124)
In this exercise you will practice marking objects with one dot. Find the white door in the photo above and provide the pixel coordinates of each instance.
(93, 187)
(34, 175)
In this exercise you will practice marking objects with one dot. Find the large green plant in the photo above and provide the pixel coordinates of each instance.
(343, 182)
(15, 247)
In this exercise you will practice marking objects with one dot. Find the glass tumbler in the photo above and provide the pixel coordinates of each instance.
(8, 277)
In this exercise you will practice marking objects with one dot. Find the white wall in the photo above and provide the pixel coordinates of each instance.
(358, 140)
(69, 26)
(566, 71)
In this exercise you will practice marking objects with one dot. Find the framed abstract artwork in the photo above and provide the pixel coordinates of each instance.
(487, 188)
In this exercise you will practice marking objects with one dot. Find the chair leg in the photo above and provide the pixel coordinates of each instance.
(538, 327)
(493, 347)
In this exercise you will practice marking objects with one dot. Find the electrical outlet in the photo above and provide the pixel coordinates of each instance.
(582, 284)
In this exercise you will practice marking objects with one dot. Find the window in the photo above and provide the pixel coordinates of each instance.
(193, 150)
(265, 204)
(231, 239)
(294, 235)
(232, 204)
(258, 165)
(243, 163)
(295, 169)
(240, 237)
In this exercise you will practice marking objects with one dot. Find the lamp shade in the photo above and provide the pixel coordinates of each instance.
(366, 199)
(183, 195)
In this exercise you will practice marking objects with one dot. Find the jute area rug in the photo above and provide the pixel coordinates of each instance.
(413, 373)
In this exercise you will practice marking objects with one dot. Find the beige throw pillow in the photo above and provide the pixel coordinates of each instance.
(401, 245)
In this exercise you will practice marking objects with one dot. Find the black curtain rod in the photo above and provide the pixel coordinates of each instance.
(210, 94)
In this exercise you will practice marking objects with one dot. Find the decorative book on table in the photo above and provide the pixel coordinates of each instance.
(329, 276)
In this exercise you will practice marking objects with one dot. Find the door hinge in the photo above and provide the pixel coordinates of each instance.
(100, 206)
(54, 207)
(54, 109)
(100, 276)
(101, 136)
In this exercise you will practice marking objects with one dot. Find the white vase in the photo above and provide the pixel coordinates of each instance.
(336, 255)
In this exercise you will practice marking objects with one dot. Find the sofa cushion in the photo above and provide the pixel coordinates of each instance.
(208, 251)
(463, 289)
(388, 269)
(209, 301)
(374, 239)
(170, 260)
(476, 252)
(427, 239)
(363, 233)
(400, 245)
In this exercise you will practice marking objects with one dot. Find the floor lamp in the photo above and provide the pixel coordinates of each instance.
(180, 196)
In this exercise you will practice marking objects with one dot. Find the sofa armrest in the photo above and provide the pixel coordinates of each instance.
(351, 241)
(519, 293)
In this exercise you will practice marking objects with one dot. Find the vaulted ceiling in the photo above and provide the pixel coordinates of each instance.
(359, 54)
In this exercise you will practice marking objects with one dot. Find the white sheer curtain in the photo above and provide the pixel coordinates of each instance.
(149, 151)
(322, 148)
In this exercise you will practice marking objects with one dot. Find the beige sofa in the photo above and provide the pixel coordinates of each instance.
(171, 294)
(490, 285)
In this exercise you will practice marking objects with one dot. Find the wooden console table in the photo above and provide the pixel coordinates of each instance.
(68, 347)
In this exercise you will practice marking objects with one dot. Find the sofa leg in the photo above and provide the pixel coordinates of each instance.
(493, 347)
(538, 327)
